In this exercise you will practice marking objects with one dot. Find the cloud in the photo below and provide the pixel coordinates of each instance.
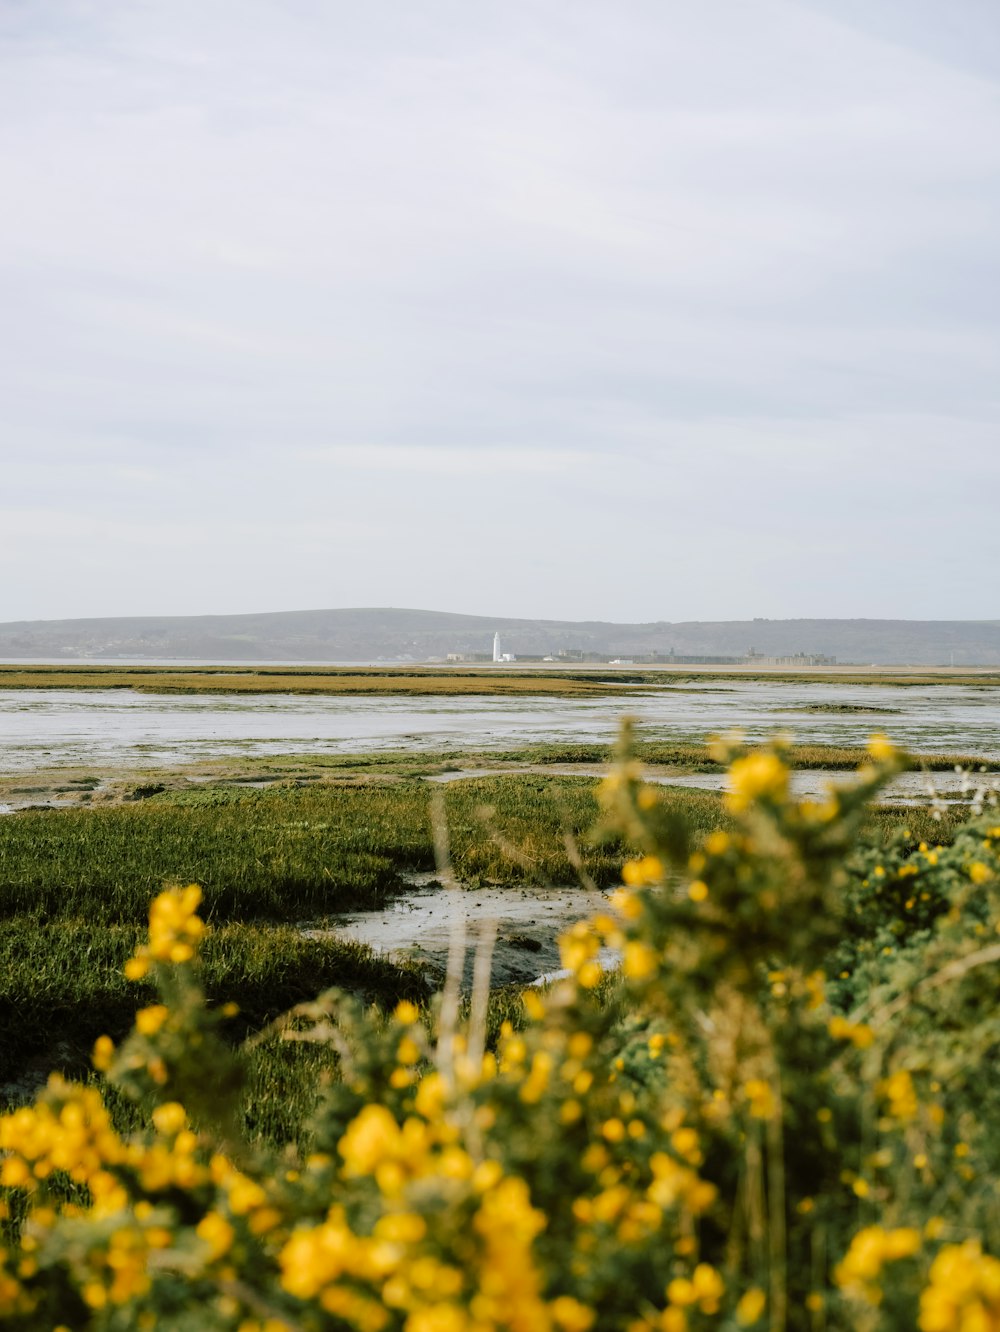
(539, 261)
(430, 461)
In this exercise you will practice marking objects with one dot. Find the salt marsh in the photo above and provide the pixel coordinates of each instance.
(107, 729)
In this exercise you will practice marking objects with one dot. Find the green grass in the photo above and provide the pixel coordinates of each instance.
(692, 756)
(282, 1080)
(292, 853)
(259, 855)
(63, 985)
(285, 854)
(513, 829)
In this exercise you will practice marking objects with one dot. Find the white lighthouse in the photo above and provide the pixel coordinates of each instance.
(497, 655)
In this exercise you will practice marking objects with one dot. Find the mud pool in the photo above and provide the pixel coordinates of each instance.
(527, 921)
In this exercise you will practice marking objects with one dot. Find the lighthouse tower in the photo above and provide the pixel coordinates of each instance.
(497, 655)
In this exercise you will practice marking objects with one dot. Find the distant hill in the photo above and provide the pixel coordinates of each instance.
(388, 634)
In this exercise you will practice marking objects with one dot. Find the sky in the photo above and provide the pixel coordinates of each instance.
(644, 310)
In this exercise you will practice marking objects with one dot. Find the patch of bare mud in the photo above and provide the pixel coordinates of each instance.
(418, 926)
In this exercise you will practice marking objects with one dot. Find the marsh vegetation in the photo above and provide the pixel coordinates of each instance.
(787, 1049)
(75, 884)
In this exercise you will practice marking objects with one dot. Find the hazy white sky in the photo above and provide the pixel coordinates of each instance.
(635, 310)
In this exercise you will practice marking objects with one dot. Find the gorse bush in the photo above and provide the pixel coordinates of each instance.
(723, 1133)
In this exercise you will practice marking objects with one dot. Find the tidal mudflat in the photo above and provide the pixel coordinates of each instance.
(108, 729)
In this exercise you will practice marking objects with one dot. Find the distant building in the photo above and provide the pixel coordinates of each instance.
(754, 658)
(669, 658)
(673, 658)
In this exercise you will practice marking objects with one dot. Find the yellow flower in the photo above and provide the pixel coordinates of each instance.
(639, 961)
(571, 1315)
(869, 1251)
(681, 1291)
(217, 1233)
(173, 924)
(709, 1288)
(590, 974)
(148, 1021)
(717, 843)
(170, 1118)
(441, 1317)
(627, 903)
(858, 1033)
(534, 1086)
(639, 873)
(756, 776)
(902, 1243)
(899, 1092)
(881, 748)
(14, 1174)
(244, 1194)
(408, 1052)
(577, 946)
(760, 1097)
(401, 1228)
(963, 1291)
(104, 1050)
(704, 1288)
(685, 1143)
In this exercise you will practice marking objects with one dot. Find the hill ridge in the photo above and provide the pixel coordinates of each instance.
(373, 633)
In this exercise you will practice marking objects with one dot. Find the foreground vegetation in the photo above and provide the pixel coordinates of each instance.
(777, 1114)
(75, 887)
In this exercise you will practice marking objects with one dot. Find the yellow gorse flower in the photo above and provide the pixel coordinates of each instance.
(760, 1098)
(870, 1250)
(859, 1034)
(900, 1095)
(963, 1292)
(175, 930)
(755, 777)
(639, 873)
(881, 748)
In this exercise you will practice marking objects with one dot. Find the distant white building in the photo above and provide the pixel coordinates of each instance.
(498, 653)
